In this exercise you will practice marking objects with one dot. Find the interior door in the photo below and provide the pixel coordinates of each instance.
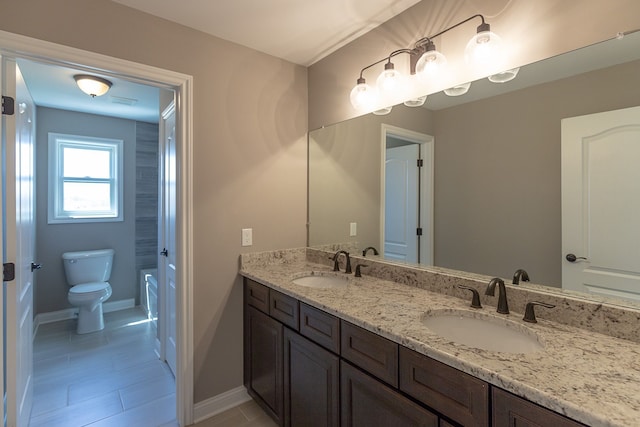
(167, 264)
(401, 203)
(601, 203)
(19, 244)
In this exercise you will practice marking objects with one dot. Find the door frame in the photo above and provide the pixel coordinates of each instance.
(18, 46)
(425, 216)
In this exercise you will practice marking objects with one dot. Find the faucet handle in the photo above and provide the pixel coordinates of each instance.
(475, 299)
(336, 266)
(529, 313)
(358, 273)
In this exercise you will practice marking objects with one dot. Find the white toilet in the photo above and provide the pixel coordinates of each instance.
(87, 273)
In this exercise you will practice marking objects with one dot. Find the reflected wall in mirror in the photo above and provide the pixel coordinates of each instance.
(497, 198)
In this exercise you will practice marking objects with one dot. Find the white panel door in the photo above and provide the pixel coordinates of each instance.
(401, 203)
(167, 223)
(19, 241)
(601, 203)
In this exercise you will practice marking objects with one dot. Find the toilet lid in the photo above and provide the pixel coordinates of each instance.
(84, 288)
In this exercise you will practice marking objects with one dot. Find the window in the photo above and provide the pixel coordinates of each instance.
(85, 179)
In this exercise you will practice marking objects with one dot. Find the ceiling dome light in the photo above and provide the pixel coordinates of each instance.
(431, 62)
(485, 48)
(458, 90)
(416, 102)
(92, 85)
(362, 95)
(505, 76)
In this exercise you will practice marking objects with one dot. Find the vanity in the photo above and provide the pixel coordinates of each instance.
(360, 353)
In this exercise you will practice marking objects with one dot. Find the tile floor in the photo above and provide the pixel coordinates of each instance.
(112, 378)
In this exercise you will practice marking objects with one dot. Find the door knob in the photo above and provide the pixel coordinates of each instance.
(573, 258)
(164, 252)
(35, 266)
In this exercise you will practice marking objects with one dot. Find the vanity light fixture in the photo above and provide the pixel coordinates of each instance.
(458, 90)
(383, 111)
(92, 85)
(426, 62)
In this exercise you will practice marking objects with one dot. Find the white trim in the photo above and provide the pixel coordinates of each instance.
(427, 143)
(19, 46)
(71, 313)
(220, 403)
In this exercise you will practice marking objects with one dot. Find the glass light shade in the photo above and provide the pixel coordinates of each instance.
(383, 111)
(416, 102)
(362, 95)
(389, 81)
(92, 85)
(430, 63)
(505, 76)
(484, 48)
(458, 90)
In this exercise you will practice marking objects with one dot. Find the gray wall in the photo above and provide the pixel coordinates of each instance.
(54, 239)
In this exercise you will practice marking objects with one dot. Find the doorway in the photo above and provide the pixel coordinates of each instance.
(406, 226)
(18, 47)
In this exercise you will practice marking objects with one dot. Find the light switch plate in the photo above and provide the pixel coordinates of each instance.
(247, 236)
(353, 229)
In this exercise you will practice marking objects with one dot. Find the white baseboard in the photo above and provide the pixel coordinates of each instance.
(220, 403)
(71, 313)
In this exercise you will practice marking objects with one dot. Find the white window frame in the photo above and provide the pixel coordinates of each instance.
(56, 214)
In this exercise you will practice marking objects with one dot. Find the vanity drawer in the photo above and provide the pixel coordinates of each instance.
(371, 352)
(510, 410)
(257, 295)
(320, 327)
(457, 395)
(284, 308)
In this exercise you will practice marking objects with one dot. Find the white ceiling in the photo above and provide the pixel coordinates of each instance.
(300, 31)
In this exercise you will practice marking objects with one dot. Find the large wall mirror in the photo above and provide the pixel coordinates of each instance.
(496, 200)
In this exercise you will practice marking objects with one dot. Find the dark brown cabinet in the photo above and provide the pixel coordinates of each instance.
(513, 411)
(367, 403)
(308, 368)
(311, 384)
(263, 363)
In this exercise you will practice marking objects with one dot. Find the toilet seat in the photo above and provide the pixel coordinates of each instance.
(86, 288)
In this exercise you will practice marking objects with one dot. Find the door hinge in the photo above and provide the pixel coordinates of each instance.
(7, 105)
(8, 271)
(420, 163)
(419, 231)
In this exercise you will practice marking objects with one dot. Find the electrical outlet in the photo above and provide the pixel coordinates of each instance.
(247, 236)
(353, 229)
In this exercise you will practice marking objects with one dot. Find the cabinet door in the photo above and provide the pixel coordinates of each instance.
(365, 402)
(311, 384)
(512, 411)
(263, 361)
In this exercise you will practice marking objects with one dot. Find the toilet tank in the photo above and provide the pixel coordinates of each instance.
(88, 266)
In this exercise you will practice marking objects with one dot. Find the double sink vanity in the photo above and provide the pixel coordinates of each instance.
(401, 346)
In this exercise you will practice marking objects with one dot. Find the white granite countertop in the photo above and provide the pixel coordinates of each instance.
(589, 377)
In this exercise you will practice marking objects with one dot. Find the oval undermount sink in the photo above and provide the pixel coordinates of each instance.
(321, 280)
(478, 330)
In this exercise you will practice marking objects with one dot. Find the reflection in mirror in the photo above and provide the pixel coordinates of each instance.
(497, 163)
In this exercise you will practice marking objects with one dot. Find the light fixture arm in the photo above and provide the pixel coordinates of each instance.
(425, 40)
(387, 58)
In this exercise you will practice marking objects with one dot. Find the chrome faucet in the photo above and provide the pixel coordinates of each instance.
(520, 274)
(336, 266)
(375, 251)
(503, 306)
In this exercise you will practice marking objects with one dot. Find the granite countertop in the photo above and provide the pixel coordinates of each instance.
(589, 377)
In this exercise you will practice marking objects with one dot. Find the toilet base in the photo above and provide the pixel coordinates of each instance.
(90, 320)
